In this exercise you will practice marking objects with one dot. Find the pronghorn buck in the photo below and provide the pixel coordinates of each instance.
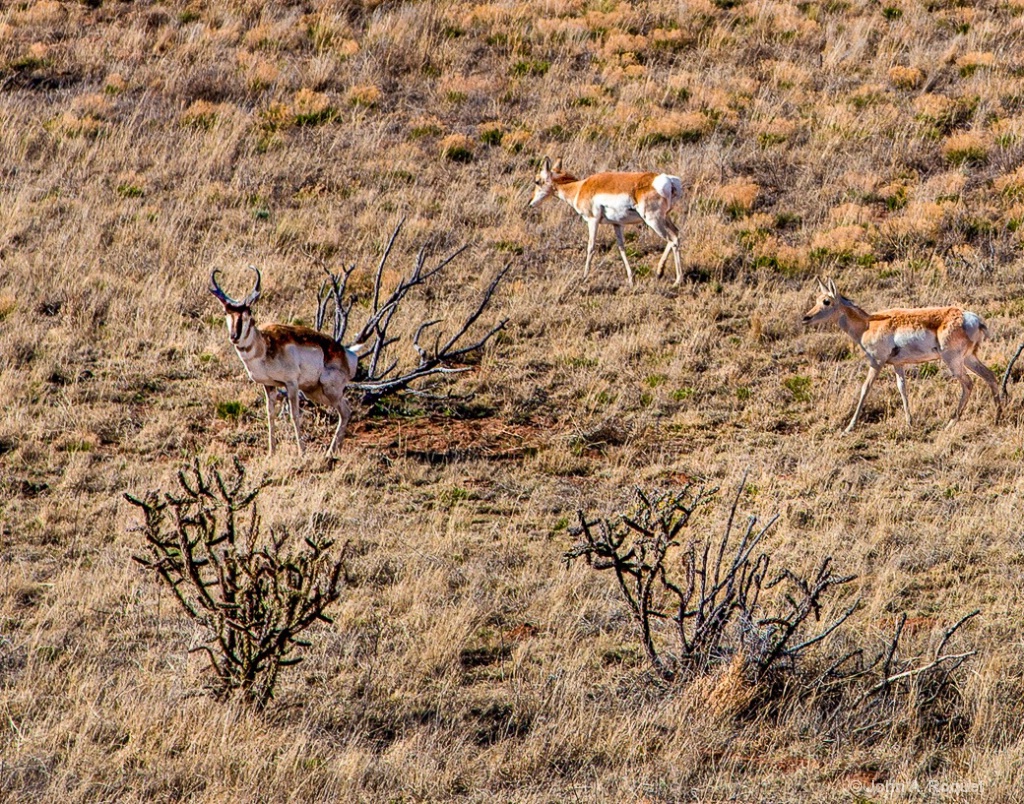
(289, 358)
(902, 337)
(618, 199)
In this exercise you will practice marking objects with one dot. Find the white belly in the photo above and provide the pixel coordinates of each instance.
(915, 346)
(617, 209)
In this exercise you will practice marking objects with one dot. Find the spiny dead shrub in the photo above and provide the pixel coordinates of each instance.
(714, 608)
(253, 593)
(712, 605)
(869, 693)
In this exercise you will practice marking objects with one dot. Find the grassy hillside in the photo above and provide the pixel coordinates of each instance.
(143, 144)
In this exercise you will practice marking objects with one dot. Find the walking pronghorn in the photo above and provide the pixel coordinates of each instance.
(903, 337)
(618, 199)
(292, 358)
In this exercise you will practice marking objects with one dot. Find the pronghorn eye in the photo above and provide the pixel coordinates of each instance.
(827, 302)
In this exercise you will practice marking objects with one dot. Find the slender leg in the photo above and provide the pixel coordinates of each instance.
(293, 401)
(621, 241)
(983, 371)
(667, 230)
(872, 373)
(956, 366)
(344, 414)
(591, 241)
(901, 383)
(271, 394)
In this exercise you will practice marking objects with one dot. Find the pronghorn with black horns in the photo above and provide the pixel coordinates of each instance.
(289, 358)
(619, 199)
(903, 337)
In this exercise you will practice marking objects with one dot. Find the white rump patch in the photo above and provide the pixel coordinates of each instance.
(668, 187)
(353, 361)
(974, 326)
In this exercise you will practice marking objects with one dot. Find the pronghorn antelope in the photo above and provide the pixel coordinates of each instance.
(618, 199)
(902, 337)
(292, 358)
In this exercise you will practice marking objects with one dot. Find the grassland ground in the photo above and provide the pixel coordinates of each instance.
(143, 145)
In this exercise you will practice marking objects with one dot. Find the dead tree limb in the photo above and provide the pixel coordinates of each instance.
(384, 374)
(937, 660)
(1009, 366)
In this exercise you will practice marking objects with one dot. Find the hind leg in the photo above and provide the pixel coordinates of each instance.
(667, 230)
(332, 393)
(983, 371)
(956, 366)
(344, 414)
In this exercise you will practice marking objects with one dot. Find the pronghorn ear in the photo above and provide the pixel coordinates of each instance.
(545, 167)
(832, 288)
(558, 163)
(821, 285)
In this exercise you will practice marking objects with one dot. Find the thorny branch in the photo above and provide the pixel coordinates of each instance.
(717, 607)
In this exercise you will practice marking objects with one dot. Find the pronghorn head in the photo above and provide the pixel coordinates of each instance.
(544, 184)
(827, 305)
(239, 314)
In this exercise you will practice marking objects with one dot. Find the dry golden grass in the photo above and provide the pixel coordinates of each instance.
(144, 144)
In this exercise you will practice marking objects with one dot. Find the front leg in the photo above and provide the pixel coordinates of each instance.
(271, 394)
(872, 373)
(591, 242)
(901, 383)
(621, 241)
(293, 402)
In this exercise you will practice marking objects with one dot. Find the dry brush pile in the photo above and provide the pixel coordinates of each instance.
(449, 653)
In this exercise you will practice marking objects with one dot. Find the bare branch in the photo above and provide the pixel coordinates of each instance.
(384, 375)
(1009, 367)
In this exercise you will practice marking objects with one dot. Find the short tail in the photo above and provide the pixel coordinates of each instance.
(353, 353)
(975, 328)
(668, 187)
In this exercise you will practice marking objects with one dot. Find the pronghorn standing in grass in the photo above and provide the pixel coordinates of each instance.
(902, 337)
(618, 199)
(292, 358)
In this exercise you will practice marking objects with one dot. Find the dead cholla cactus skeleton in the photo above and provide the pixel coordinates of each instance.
(254, 594)
(715, 608)
(705, 602)
(383, 375)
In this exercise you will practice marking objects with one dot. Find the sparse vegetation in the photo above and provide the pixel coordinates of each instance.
(712, 606)
(146, 144)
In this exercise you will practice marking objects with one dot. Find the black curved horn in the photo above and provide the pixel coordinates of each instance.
(223, 297)
(255, 294)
